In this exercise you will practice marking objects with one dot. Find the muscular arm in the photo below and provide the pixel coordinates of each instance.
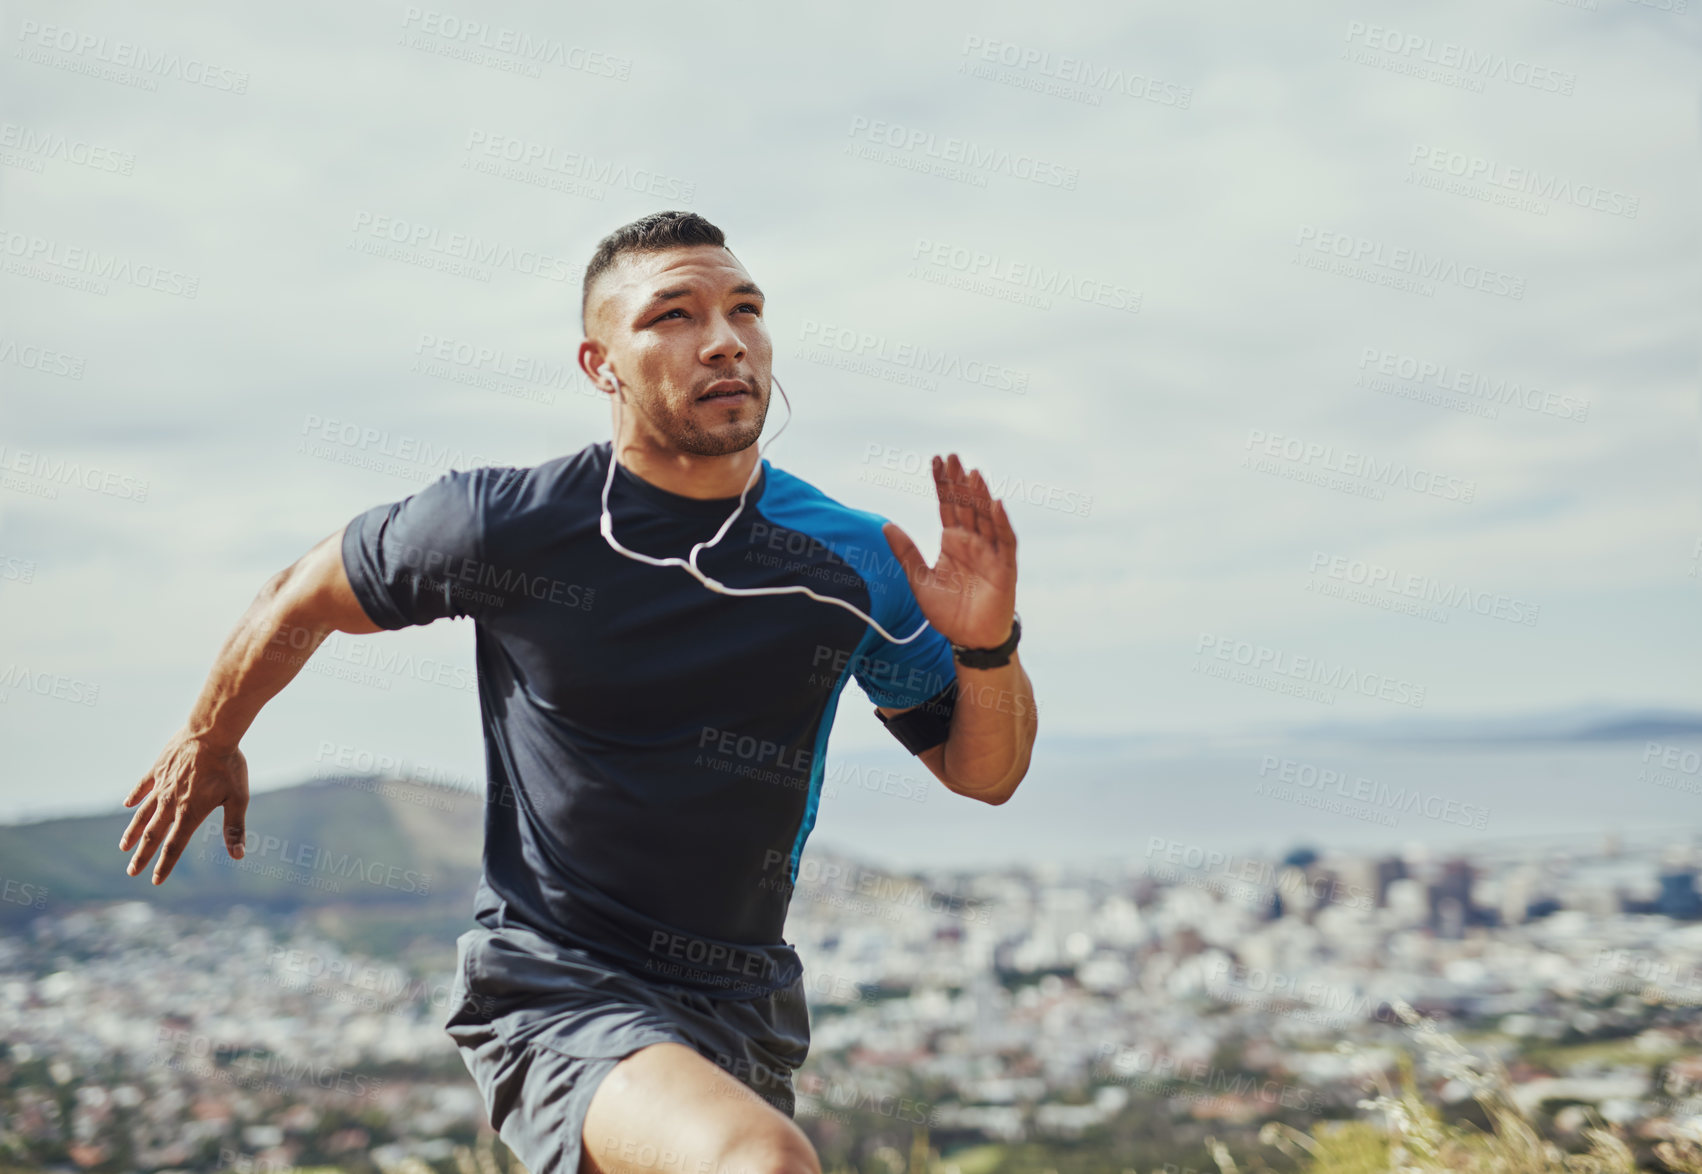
(201, 768)
(969, 597)
(992, 733)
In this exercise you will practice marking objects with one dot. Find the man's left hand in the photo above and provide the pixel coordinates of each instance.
(969, 594)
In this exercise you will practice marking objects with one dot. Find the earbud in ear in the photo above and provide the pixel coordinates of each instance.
(608, 375)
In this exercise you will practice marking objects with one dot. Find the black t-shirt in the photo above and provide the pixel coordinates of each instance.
(654, 749)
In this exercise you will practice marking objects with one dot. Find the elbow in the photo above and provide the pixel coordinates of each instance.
(997, 794)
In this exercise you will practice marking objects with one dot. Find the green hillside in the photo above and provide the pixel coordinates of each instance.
(384, 858)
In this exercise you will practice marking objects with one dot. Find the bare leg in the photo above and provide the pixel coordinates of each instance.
(667, 1110)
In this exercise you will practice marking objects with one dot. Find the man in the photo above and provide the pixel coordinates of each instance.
(653, 743)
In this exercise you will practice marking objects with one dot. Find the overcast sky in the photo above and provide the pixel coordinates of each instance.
(1267, 326)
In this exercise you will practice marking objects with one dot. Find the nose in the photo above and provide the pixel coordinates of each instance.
(723, 344)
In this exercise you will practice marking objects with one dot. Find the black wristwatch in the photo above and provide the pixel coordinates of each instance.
(990, 658)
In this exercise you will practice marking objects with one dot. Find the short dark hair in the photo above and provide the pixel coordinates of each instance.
(648, 234)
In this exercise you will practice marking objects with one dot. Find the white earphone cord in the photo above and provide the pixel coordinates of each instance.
(689, 564)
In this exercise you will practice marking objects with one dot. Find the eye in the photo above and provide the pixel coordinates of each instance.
(751, 306)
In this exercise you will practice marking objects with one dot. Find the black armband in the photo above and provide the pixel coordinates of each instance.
(925, 726)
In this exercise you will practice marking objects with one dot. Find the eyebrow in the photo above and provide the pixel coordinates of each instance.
(668, 295)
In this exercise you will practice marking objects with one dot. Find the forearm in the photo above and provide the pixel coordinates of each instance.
(262, 654)
(992, 731)
(286, 623)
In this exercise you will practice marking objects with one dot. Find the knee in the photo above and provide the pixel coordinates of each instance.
(774, 1148)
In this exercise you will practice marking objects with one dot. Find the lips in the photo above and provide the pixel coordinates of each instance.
(725, 388)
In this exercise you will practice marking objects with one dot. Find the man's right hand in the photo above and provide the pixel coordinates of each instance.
(198, 771)
(190, 779)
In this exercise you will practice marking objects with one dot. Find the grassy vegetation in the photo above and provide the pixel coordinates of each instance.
(1406, 1134)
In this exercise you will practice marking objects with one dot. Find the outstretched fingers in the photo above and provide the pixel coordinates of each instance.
(144, 816)
(946, 488)
(965, 502)
(176, 840)
(162, 819)
(140, 789)
(1006, 532)
(982, 507)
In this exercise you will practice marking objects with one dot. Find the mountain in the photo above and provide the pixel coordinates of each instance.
(386, 859)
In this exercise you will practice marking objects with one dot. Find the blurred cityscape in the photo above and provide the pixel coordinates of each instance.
(1115, 1016)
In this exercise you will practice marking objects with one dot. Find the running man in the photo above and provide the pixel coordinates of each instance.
(654, 746)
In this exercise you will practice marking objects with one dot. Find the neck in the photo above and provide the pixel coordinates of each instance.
(690, 475)
(687, 474)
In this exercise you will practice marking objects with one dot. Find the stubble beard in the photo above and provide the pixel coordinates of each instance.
(685, 434)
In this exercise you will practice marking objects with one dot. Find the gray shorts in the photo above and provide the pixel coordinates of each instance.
(539, 1025)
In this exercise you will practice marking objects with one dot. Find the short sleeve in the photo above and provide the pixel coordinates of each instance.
(901, 675)
(406, 560)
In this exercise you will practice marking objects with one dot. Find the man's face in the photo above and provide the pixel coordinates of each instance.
(683, 330)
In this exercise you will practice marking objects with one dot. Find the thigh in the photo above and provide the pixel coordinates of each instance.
(666, 1109)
